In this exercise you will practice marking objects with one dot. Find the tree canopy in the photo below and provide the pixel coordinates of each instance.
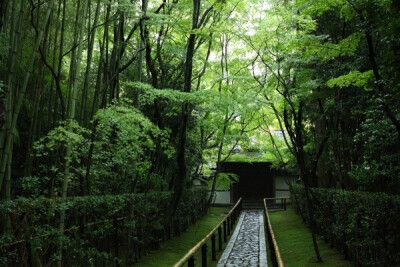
(133, 96)
(150, 96)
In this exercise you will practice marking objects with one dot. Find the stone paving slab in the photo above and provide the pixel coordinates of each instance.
(247, 244)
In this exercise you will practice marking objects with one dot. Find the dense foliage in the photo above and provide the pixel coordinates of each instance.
(111, 97)
(364, 226)
(197, 81)
(99, 230)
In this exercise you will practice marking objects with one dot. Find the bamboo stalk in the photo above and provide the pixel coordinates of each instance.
(71, 116)
(15, 113)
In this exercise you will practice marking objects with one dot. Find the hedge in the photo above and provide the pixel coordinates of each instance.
(364, 226)
(102, 230)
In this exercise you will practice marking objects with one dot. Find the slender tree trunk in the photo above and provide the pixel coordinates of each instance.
(378, 78)
(84, 105)
(218, 163)
(10, 84)
(71, 116)
(6, 224)
(138, 76)
(15, 112)
(216, 174)
(224, 70)
(3, 14)
(106, 64)
(32, 123)
(72, 66)
(313, 224)
(99, 80)
(36, 103)
(58, 71)
(308, 177)
(182, 171)
(53, 65)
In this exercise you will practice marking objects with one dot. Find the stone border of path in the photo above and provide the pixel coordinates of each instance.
(224, 257)
(262, 248)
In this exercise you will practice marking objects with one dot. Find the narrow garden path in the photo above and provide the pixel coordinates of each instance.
(247, 245)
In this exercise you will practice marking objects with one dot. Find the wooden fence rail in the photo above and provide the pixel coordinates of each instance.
(223, 229)
(276, 257)
(283, 201)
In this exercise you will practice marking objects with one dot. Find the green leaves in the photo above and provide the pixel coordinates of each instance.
(124, 144)
(225, 180)
(1, 87)
(355, 219)
(141, 223)
(149, 94)
(67, 134)
(353, 78)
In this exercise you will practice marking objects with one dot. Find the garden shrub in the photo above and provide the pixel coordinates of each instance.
(364, 226)
(100, 229)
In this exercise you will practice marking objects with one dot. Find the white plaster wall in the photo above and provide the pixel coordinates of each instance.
(280, 184)
(282, 193)
(196, 183)
(222, 197)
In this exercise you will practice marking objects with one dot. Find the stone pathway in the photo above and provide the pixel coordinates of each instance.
(247, 244)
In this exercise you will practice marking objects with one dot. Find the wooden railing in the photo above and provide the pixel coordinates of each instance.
(276, 257)
(283, 201)
(225, 226)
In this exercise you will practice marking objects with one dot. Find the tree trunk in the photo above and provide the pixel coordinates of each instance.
(71, 116)
(16, 108)
(182, 172)
(84, 105)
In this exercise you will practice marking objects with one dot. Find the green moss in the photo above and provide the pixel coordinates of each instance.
(295, 243)
(172, 250)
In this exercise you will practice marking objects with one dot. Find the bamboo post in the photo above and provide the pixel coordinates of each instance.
(219, 238)
(224, 231)
(276, 254)
(226, 225)
(191, 262)
(213, 254)
(204, 255)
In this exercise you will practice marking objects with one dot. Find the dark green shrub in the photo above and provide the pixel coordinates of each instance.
(364, 226)
(100, 229)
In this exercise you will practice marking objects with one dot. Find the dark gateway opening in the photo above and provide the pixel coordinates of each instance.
(256, 180)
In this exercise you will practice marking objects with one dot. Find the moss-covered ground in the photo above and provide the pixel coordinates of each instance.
(295, 243)
(172, 250)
